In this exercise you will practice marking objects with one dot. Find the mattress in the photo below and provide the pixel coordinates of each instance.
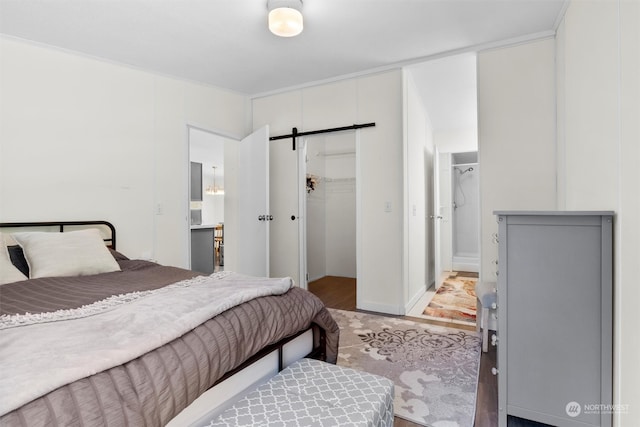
(151, 389)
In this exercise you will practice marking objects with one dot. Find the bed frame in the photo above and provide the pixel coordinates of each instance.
(234, 384)
(110, 240)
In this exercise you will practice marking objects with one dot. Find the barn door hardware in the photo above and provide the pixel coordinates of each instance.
(294, 132)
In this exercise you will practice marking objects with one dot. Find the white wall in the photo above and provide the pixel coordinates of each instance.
(598, 46)
(375, 98)
(418, 149)
(340, 245)
(379, 100)
(597, 70)
(83, 139)
(456, 140)
(516, 136)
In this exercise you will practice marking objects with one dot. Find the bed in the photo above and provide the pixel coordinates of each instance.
(135, 342)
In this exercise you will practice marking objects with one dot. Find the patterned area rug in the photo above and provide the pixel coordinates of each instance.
(434, 368)
(455, 301)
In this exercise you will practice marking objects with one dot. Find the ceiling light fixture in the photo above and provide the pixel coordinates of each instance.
(285, 17)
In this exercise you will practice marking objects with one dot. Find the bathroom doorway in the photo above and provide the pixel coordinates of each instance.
(465, 208)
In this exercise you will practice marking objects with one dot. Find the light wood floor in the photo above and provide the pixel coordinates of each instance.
(340, 293)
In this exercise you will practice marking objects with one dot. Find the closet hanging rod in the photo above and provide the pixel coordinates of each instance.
(294, 132)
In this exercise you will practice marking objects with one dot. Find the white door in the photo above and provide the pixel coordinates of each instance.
(284, 228)
(253, 204)
(442, 215)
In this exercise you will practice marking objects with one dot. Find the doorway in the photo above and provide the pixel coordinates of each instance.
(458, 215)
(206, 200)
(305, 210)
(237, 231)
(465, 205)
(330, 206)
(330, 187)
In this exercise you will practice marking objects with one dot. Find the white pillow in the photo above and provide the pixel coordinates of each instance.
(73, 253)
(8, 272)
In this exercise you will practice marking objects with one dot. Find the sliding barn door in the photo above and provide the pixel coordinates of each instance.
(253, 204)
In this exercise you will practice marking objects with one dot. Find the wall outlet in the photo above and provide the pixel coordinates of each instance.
(387, 206)
(159, 209)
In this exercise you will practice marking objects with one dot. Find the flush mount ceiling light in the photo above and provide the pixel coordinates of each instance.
(285, 17)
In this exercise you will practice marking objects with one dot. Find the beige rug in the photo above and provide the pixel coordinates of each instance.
(454, 301)
(434, 368)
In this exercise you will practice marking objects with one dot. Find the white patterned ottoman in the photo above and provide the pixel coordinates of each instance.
(314, 393)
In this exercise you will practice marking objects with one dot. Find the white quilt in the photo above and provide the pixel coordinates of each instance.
(50, 352)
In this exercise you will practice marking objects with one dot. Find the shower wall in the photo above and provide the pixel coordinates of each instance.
(466, 217)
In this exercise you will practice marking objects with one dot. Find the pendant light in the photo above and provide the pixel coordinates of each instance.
(285, 17)
(214, 190)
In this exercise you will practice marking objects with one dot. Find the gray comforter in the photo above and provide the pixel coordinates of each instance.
(152, 389)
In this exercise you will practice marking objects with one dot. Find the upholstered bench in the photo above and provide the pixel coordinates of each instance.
(314, 393)
(486, 300)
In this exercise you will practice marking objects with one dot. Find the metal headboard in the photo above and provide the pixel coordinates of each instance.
(111, 241)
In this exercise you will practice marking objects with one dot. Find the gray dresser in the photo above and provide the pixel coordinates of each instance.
(555, 318)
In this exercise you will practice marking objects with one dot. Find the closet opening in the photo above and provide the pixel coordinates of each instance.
(329, 242)
(315, 202)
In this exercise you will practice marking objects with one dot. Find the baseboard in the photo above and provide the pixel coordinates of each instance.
(381, 308)
(313, 279)
(413, 301)
(464, 266)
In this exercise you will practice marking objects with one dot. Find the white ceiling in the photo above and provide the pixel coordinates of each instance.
(226, 43)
